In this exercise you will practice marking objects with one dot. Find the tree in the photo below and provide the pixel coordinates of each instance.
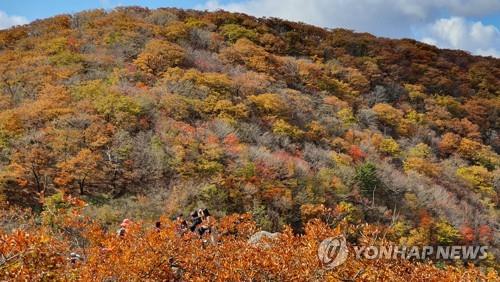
(175, 30)
(247, 53)
(233, 32)
(356, 153)
(78, 170)
(479, 178)
(282, 127)
(387, 114)
(28, 177)
(269, 103)
(449, 143)
(159, 55)
(421, 165)
(366, 176)
(445, 233)
(389, 146)
(478, 153)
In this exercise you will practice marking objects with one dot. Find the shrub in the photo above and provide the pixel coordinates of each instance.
(159, 55)
(233, 32)
(282, 127)
(421, 150)
(269, 103)
(389, 146)
(366, 176)
(478, 177)
(445, 233)
(388, 114)
(449, 143)
(422, 166)
(346, 116)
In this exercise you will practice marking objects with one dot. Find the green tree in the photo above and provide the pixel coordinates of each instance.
(368, 181)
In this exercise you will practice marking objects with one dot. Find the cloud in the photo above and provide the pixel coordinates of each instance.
(391, 18)
(7, 21)
(109, 4)
(460, 33)
(105, 3)
(375, 16)
(473, 8)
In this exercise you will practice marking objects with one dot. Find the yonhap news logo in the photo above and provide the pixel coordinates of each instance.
(422, 252)
(333, 251)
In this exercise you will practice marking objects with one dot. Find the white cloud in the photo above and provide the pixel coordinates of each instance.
(459, 33)
(488, 52)
(471, 7)
(105, 3)
(393, 18)
(7, 21)
(381, 17)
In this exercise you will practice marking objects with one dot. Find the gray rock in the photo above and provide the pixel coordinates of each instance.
(263, 239)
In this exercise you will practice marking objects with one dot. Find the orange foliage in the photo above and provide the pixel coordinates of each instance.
(150, 254)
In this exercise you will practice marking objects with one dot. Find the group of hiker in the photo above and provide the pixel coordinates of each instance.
(199, 223)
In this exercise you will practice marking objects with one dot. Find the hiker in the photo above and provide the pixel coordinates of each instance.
(176, 268)
(207, 223)
(74, 258)
(181, 225)
(123, 227)
(195, 221)
(203, 226)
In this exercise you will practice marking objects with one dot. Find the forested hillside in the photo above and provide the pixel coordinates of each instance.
(147, 113)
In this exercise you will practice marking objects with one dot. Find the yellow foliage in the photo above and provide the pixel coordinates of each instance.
(269, 103)
(416, 92)
(479, 178)
(346, 116)
(422, 166)
(388, 114)
(478, 153)
(282, 127)
(414, 117)
(421, 150)
(214, 84)
(449, 143)
(316, 131)
(159, 55)
(418, 237)
(247, 53)
(175, 30)
(446, 234)
(336, 102)
(342, 159)
(176, 106)
(389, 146)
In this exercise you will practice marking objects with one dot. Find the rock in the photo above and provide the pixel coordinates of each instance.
(263, 239)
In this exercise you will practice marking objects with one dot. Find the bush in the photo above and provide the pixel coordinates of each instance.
(159, 55)
(368, 181)
(445, 233)
(389, 146)
(269, 103)
(233, 32)
(422, 166)
(282, 127)
(479, 178)
(388, 114)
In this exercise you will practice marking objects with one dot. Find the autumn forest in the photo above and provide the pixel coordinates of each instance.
(269, 124)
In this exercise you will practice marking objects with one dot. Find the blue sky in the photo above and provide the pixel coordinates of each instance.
(472, 25)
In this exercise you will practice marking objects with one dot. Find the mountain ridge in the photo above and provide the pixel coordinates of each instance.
(147, 113)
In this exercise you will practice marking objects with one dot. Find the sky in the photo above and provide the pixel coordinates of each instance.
(471, 25)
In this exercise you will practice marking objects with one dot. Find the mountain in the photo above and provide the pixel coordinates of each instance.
(145, 113)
